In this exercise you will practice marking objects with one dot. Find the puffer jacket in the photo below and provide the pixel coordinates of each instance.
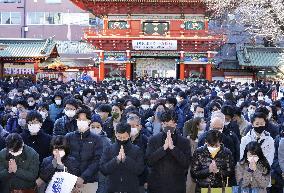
(258, 179)
(87, 149)
(64, 125)
(200, 168)
(27, 170)
(54, 111)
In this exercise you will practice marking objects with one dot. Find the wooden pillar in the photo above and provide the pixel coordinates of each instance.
(181, 66)
(102, 66)
(128, 65)
(209, 68)
(1, 70)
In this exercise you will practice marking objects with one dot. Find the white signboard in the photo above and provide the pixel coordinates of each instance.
(14, 69)
(154, 44)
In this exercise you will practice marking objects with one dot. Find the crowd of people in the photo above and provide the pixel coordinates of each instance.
(148, 135)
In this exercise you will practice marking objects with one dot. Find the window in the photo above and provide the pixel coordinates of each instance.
(35, 18)
(75, 18)
(7, 18)
(52, 1)
(53, 18)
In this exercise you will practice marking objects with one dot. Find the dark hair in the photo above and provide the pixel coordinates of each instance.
(192, 127)
(123, 127)
(259, 115)
(228, 110)
(32, 115)
(238, 111)
(253, 104)
(214, 104)
(169, 115)
(255, 149)
(22, 102)
(119, 105)
(104, 108)
(72, 101)
(198, 106)
(14, 142)
(157, 105)
(263, 110)
(86, 111)
(277, 104)
(182, 94)
(213, 137)
(59, 142)
(171, 100)
(43, 106)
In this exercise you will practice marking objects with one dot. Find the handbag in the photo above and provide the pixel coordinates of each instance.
(218, 190)
(23, 191)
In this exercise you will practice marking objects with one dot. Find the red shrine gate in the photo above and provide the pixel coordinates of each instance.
(171, 34)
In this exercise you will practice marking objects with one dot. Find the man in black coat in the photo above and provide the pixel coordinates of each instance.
(34, 137)
(168, 156)
(122, 163)
(85, 147)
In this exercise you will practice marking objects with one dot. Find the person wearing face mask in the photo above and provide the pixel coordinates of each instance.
(19, 166)
(104, 110)
(279, 112)
(260, 135)
(145, 110)
(183, 105)
(59, 161)
(231, 127)
(87, 148)
(198, 111)
(34, 137)
(168, 154)
(154, 124)
(122, 162)
(7, 113)
(97, 129)
(141, 140)
(253, 171)
(67, 123)
(242, 123)
(111, 123)
(47, 125)
(171, 104)
(56, 108)
(212, 163)
(31, 102)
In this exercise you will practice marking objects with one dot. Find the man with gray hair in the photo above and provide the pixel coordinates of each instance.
(137, 138)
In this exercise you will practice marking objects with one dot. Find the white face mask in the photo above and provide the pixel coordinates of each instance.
(201, 115)
(227, 123)
(212, 149)
(178, 99)
(251, 111)
(22, 122)
(152, 106)
(260, 98)
(15, 154)
(58, 102)
(145, 107)
(45, 94)
(253, 159)
(134, 132)
(279, 112)
(96, 131)
(34, 128)
(82, 126)
(31, 104)
(43, 114)
(70, 113)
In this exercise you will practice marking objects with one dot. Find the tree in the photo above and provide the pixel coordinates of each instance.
(261, 18)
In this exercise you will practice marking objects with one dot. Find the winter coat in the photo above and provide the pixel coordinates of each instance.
(86, 148)
(27, 170)
(109, 129)
(180, 121)
(168, 168)
(64, 125)
(233, 127)
(276, 172)
(49, 167)
(150, 126)
(141, 141)
(122, 176)
(40, 143)
(281, 155)
(54, 112)
(185, 108)
(200, 167)
(266, 142)
(257, 179)
(228, 143)
(47, 126)
(13, 126)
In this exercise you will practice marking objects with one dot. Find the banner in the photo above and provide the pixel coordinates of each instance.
(13, 69)
(154, 44)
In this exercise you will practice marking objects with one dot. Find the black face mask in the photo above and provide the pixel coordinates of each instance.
(259, 129)
(122, 142)
(171, 129)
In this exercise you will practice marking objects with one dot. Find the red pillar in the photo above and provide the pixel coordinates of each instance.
(128, 65)
(181, 66)
(36, 68)
(102, 66)
(209, 72)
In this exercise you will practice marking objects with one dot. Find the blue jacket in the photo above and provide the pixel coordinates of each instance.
(54, 112)
(122, 177)
(276, 172)
(87, 149)
(13, 126)
(40, 143)
(181, 120)
(185, 108)
(64, 125)
(48, 168)
(271, 128)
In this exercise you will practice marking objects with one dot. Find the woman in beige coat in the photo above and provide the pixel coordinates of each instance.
(253, 171)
